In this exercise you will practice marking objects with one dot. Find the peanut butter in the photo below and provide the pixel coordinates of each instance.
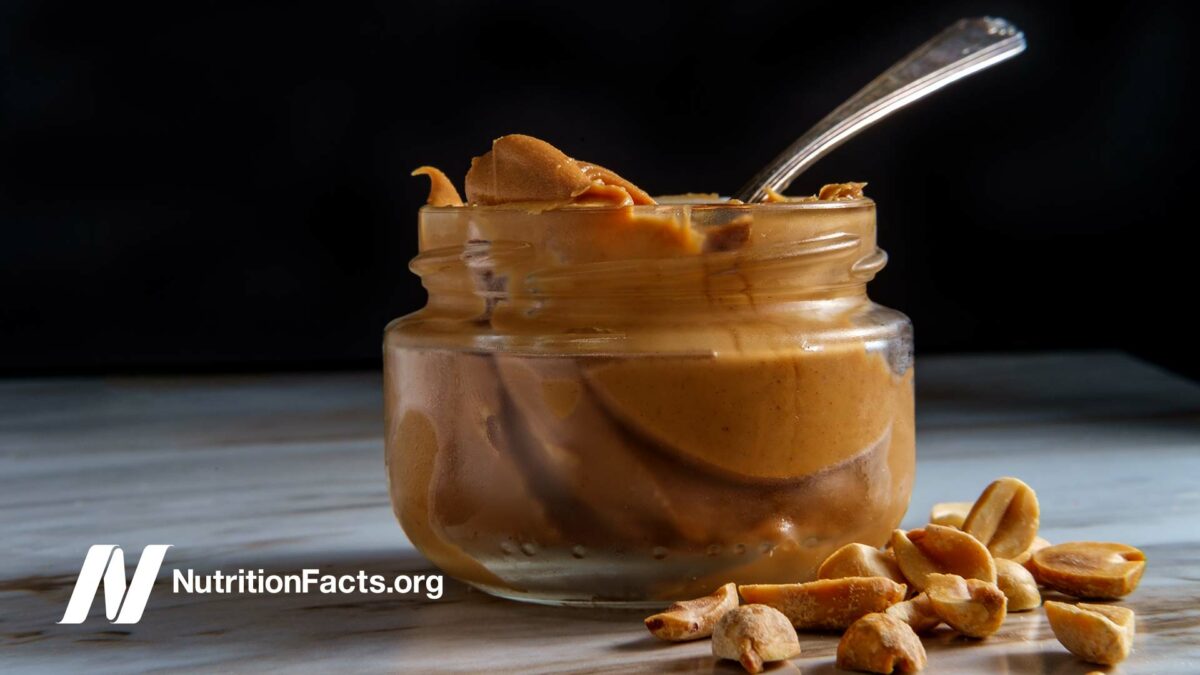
(609, 400)
(524, 169)
(441, 190)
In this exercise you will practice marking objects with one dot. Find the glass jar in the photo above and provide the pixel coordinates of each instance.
(631, 405)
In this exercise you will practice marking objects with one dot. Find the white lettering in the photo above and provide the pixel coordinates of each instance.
(433, 587)
(180, 581)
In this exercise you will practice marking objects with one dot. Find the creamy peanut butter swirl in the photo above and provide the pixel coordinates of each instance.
(521, 169)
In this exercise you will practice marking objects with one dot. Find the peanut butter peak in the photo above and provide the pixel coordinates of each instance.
(522, 168)
(441, 190)
(609, 179)
(836, 192)
(833, 192)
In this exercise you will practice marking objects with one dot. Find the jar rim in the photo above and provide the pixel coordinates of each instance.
(533, 207)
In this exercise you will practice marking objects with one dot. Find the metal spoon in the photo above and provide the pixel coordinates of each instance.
(967, 47)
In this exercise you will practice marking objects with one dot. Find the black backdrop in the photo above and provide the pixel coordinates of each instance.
(187, 186)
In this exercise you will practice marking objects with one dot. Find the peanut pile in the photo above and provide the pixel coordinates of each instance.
(968, 568)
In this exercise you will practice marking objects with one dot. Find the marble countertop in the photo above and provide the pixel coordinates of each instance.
(285, 472)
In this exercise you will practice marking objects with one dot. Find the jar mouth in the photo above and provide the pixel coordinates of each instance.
(574, 236)
(661, 208)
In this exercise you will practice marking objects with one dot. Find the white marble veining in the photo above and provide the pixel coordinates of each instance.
(286, 472)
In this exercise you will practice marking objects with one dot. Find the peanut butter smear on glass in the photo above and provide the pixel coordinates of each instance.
(613, 399)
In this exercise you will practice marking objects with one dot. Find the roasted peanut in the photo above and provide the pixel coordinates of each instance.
(1089, 569)
(753, 635)
(940, 549)
(917, 612)
(1097, 633)
(693, 619)
(972, 607)
(827, 603)
(950, 514)
(880, 643)
(1018, 586)
(1004, 518)
(860, 560)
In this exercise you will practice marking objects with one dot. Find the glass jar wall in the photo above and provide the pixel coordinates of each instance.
(638, 404)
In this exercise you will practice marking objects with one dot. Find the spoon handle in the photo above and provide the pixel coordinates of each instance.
(970, 45)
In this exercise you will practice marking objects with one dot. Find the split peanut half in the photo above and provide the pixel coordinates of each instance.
(881, 643)
(938, 549)
(950, 514)
(753, 635)
(917, 612)
(693, 619)
(827, 604)
(1090, 569)
(860, 560)
(1005, 517)
(972, 607)
(1018, 586)
(1097, 633)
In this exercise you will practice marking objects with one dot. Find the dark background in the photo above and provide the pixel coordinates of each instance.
(191, 186)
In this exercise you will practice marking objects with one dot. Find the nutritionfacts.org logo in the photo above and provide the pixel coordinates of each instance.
(106, 563)
(125, 600)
